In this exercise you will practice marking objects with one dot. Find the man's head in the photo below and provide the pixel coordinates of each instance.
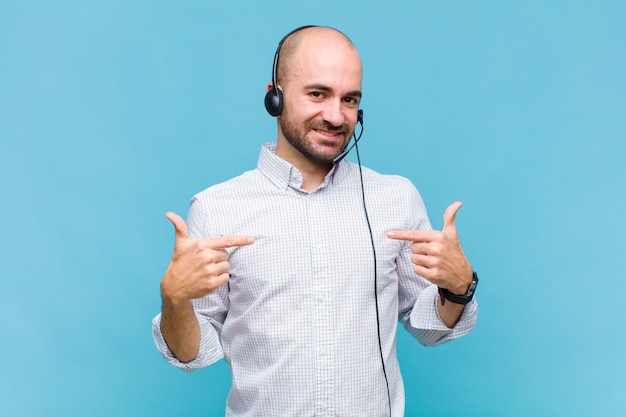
(319, 73)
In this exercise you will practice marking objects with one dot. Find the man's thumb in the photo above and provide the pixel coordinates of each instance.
(449, 222)
(179, 225)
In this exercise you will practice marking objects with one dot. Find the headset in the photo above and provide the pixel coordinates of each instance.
(274, 96)
(274, 106)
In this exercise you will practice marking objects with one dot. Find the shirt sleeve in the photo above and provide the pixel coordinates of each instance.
(424, 323)
(418, 297)
(210, 310)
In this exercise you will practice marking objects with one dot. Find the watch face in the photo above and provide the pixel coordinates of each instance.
(472, 287)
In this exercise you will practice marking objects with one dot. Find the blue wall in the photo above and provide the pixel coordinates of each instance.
(112, 113)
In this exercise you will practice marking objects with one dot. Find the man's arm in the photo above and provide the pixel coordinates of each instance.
(198, 267)
(180, 329)
(438, 257)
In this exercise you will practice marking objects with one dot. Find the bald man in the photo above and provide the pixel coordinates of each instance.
(297, 279)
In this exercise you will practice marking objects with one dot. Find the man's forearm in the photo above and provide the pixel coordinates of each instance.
(450, 312)
(180, 330)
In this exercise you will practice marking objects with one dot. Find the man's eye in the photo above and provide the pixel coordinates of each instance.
(316, 94)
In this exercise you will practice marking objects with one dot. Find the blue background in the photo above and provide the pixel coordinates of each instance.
(114, 112)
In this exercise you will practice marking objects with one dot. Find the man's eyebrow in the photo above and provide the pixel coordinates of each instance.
(323, 87)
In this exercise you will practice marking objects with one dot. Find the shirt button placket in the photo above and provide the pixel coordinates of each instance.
(324, 366)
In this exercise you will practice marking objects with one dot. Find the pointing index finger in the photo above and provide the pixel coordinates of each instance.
(410, 235)
(224, 242)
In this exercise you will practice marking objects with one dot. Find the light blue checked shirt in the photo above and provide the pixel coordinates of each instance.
(297, 320)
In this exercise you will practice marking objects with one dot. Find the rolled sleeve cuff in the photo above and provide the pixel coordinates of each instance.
(426, 326)
(209, 352)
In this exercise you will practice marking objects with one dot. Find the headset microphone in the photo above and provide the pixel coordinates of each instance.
(343, 154)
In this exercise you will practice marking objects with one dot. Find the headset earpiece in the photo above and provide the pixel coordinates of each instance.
(274, 101)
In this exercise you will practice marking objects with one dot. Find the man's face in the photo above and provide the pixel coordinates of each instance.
(321, 94)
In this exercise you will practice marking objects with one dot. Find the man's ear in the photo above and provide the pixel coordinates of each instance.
(269, 86)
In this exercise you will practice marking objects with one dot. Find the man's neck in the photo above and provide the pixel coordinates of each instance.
(312, 177)
(313, 173)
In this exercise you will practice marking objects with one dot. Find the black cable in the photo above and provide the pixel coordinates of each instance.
(369, 226)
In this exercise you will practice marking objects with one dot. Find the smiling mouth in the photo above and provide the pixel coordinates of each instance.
(330, 134)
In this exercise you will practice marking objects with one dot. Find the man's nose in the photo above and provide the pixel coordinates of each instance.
(333, 113)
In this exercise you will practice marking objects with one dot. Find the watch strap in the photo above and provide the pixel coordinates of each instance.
(444, 294)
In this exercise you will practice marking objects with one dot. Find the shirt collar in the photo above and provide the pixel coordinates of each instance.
(284, 175)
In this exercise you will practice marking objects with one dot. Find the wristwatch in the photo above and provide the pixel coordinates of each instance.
(444, 294)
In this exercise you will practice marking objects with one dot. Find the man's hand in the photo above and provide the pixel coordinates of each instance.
(198, 266)
(437, 255)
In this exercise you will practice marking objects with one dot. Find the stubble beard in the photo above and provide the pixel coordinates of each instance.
(297, 138)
